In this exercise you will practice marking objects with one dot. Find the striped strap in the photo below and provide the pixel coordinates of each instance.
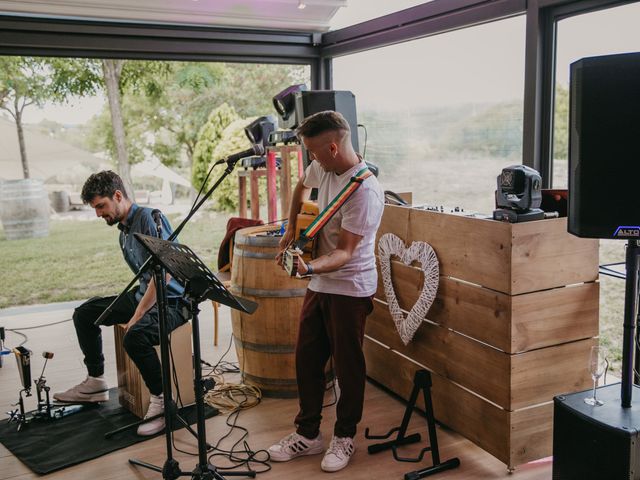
(332, 208)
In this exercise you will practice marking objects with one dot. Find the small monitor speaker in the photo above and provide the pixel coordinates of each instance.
(314, 101)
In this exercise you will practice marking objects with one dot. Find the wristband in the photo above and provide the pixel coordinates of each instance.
(309, 269)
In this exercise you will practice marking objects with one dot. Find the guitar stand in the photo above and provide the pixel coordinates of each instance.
(421, 381)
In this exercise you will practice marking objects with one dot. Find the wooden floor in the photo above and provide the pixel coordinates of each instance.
(267, 422)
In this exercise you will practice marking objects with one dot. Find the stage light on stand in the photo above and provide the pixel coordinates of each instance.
(259, 130)
(519, 195)
(284, 103)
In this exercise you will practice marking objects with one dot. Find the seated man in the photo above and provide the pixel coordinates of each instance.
(105, 192)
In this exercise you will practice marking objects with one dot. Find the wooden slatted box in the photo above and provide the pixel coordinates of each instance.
(133, 394)
(512, 325)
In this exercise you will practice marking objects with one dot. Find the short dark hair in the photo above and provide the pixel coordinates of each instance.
(321, 122)
(102, 184)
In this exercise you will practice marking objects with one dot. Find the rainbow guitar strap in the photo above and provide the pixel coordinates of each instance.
(332, 208)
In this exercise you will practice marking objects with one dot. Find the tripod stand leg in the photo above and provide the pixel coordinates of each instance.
(425, 472)
(145, 465)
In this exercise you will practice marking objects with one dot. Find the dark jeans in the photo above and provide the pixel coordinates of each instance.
(138, 342)
(331, 325)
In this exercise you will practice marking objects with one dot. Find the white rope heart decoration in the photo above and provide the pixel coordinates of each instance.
(390, 244)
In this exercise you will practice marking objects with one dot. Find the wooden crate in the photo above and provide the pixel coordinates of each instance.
(512, 325)
(133, 394)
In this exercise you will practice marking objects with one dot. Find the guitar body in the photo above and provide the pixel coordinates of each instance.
(290, 257)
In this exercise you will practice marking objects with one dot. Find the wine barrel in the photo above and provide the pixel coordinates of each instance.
(266, 341)
(24, 209)
(60, 201)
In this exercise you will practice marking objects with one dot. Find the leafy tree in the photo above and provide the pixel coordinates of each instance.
(249, 88)
(233, 139)
(174, 117)
(209, 137)
(26, 81)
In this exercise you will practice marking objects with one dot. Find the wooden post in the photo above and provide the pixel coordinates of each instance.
(272, 207)
(255, 195)
(242, 195)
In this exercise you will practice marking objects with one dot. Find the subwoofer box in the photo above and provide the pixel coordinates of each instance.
(596, 443)
(133, 393)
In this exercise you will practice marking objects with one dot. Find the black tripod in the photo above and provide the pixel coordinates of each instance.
(200, 284)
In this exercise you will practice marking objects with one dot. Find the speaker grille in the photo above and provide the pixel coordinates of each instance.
(604, 151)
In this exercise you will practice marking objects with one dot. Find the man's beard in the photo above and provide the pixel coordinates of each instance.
(117, 217)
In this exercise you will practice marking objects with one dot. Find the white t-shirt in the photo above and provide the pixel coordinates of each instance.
(361, 214)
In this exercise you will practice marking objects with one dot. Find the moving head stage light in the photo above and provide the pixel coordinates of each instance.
(285, 104)
(259, 130)
(519, 195)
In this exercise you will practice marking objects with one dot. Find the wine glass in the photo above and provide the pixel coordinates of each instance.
(598, 365)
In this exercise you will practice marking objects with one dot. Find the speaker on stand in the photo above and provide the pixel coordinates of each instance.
(601, 441)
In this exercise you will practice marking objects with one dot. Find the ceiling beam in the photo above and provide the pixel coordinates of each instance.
(65, 37)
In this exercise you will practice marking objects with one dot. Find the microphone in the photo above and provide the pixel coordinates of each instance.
(157, 218)
(256, 149)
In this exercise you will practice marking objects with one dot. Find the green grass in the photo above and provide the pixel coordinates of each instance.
(80, 259)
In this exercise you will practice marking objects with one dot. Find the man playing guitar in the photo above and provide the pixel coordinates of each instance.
(339, 297)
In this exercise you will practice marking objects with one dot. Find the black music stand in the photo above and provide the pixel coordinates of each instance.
(199, 284)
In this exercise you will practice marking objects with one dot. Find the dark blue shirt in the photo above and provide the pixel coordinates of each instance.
(135, 254)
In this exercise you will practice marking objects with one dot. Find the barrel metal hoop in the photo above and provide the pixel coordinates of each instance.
(239, 252)
(271, 381)
(264, 348)
(263, 241)
(258, 292)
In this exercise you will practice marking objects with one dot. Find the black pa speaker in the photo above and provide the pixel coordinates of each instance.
(596, 442)
(314, 101)
(604, 151)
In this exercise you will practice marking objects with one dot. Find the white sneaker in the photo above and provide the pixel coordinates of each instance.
(92, 389)
(295, 445)
(156, 407)
(338, 454)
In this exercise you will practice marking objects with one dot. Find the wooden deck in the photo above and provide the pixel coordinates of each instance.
(266, 423)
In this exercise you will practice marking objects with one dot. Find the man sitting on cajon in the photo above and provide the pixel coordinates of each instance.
(105, 192)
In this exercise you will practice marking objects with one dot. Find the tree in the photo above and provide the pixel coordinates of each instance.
(187, 96)
(26, 81)
(210, 136)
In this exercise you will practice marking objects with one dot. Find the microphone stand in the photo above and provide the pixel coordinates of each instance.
(231, 163)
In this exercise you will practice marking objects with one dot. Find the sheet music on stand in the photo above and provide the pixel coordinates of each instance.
(185, 266)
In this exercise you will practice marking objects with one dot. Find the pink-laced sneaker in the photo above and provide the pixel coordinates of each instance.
(295, 445)
(338, 454)
(156, 407)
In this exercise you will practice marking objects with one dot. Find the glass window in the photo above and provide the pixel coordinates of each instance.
(443, 114)
(604, 32)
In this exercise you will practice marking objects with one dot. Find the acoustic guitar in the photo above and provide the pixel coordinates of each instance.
(301, 247)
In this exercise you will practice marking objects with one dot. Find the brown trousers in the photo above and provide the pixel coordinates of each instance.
(331, 325)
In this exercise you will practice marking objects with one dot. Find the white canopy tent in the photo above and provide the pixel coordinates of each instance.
(153, 167)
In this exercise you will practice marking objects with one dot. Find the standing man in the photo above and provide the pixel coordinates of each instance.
(105, 192)
(339, 297)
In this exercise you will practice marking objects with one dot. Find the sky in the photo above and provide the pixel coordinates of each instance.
(482, 64)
